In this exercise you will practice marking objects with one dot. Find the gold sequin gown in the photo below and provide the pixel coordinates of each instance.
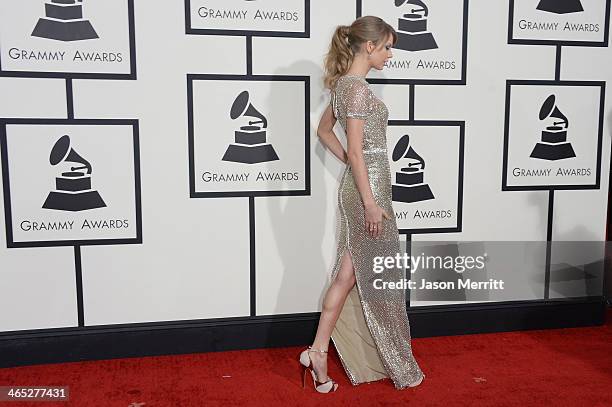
(372, 334)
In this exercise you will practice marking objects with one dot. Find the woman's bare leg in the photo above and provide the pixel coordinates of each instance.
(332, 305)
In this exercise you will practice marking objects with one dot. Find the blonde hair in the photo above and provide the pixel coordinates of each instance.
(347, 41)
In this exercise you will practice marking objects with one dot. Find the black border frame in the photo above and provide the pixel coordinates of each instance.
(512, 40)
(189, 30)
(256, 78)
(441, 123)
(509, 84)
(464, 43)
(87, 75)
(87, 122)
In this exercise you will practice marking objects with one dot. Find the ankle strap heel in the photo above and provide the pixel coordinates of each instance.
(322, 387)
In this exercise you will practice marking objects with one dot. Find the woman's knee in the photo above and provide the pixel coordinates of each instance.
(346, 274)
(346, 278)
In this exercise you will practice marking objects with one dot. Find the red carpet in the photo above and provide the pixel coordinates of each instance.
(562, 367)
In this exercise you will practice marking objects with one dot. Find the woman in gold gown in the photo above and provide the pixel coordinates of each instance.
(368, 325)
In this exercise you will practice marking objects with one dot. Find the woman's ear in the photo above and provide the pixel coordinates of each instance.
(370, 47)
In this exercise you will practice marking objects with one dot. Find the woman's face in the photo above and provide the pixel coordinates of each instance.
(381, 54)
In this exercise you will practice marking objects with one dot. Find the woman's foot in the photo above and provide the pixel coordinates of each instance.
(319, 364)
(315, 361)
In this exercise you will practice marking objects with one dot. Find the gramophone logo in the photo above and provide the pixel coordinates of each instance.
(64, 21)
(73, 188)
(553, 144)
(412, 33)
(250, 144)
(410, 185)
(560, 6)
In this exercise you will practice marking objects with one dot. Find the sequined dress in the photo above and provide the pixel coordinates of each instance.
(372, 334)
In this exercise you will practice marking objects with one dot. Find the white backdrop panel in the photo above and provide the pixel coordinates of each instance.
(32, 97)
(194, 259)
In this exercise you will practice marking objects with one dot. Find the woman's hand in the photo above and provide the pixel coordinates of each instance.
(374, 215)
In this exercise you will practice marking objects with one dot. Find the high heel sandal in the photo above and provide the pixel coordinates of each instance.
(322, 387)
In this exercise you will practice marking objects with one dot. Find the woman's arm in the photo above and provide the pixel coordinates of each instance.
(354, 137)
(325, 131)
(373, 212)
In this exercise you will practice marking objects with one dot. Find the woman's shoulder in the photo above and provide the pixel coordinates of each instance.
(352, 80)
(353, 93)
(352, 86)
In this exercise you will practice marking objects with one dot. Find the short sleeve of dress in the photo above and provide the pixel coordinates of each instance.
(359, 101)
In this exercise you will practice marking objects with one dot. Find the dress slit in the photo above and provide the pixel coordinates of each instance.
(351, 336)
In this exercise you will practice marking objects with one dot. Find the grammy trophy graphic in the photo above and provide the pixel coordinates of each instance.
(250, 146)
(409, 183)
(64, 21)
(553, 144)
(560, 6)
(73, 188)
(412, 34)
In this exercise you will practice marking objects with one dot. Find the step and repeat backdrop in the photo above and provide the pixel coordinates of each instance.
(160, 159)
